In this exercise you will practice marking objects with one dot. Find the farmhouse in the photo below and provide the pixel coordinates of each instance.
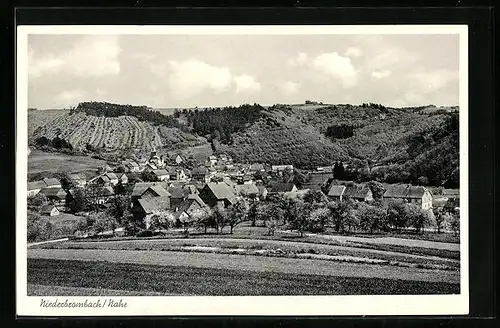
(212, 160)
(336, 192)
(141, 187)
(101, 180)
(55, 195)
(359, 193)
(189, 207)
(178, 160)
(122, 177)
(281, 187)
(113, 179)
(217, 194)
(255, 167)
(413, 194)
(146, 208)
(281, 168)
(35, 187)
(316, 181)
(50, 210)
(200, 173)
(178, 194)
(52, 183)
(262, 192)
(131, 166)
(161, 175)
(247, 190)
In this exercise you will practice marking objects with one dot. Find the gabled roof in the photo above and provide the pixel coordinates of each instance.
(106, 191)
(246, 189)
(155, 204)
(256, 167)
(159, 190)
(358, 192)
(77, 177)
(121, 175)
(212, 157)
(140, 188)
(160, 172)
(171, 170)
(178, 192)
(111, 176)
(404, 191)
(54, 192)
(35, 185)
(51, 181)
(282, 167)
(221, 190)
(281, 187)
(47, 208)
(336, 190)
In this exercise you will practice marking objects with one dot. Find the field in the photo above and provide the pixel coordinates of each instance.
(40, 161)
(110, 133)
(222, 274)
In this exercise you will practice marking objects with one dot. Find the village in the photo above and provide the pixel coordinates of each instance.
(172, 186)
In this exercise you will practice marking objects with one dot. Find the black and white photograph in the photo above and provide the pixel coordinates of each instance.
(192, 164)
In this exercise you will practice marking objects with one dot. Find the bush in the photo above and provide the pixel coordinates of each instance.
(145, 233)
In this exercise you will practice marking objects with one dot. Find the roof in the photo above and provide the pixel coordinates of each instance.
(35, 185)
(200, 170)
(356, 191)
(221, 190)
(51, 181)
(111, 176)
(160, 172)
(106, 191)
(47, 208)
(59, 192)
(261, 189)
(256, 167)
(451, 192)
(282, 167)
(246, 189)
(404, 191)
(212, 157)
(439, 201)
(170, 170)
(121, 175)
(159, 190)
(140, 188)
(178, 192)
(336, 190)
(281, 187)
(155, 204)
(76, 176)
(299, 194)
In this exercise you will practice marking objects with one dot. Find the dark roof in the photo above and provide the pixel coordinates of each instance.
(111, 176)
(359, 192)
(246, 189)
(200, 170)
(155, 204)
(160, 172)
(336, 190)
(256, 167)
(53, 192)
(47, 208)
(36, 185)
(159, 190)
(404, 191)
(140, 188)
(106, 191)
(178, 192)
(221, 190)
(281, 187)
(51, 181)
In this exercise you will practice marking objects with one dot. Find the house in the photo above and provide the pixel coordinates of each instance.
(35, 187)
(172, 173)
(281, 187)
(413, 194)
(78, 179)
(141, 187)
(161, 175)
(262, 192)
(200, 173)
(52, 183)
(104, 194)
(359, 193)
(317, 181)
(281, 168)
(212, 160)
(247, 190)
(247, 179)
(113, 179)
(55, 195)
(181, 174)
(50, 210)
(101, 180)
(149, 167)
(189, 207)
(178, 160)
(178, 193)
(122, 177)
(336, 192)
(451, 193)
(145, 209)
(154, 191)
(217, 194)
(131, 166)
(255, 167)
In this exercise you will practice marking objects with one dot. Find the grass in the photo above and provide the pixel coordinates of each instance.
(40, 161)
(286, 249)
(47, 290)
(428, 236)
(214, 281)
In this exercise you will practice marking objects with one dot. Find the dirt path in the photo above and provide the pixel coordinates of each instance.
(248, 263)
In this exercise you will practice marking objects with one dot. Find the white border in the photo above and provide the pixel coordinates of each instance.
(242, 305)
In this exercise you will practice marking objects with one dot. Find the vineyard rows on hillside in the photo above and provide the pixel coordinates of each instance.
(110, 133)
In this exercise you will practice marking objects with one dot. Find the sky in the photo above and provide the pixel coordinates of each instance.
(176, 71)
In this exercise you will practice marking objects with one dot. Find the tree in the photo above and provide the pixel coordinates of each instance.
(162, 220)
(422, 181)
(319, 218)
(417, 217)
(297, 216)
(371, 217)
(253, 211)
(102, 222)
(340, 214)
(314, 197)
(39, 228)
(272, 215)
(197, 218)
(37, 201)
(440, 218)
(397, 214)
(377, 189)
(220, 218)
(237, 213)
(119, 208)
(77, 201)
(66, 182)
(454, 223)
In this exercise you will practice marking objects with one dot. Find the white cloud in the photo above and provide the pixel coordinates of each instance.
(301, 60)
(389, 56)
(336, 66)
(381, 74)
(289, 87)
(90, 56)
(246, 83)
(191, 77)
(353, 52)
(429, 81)
(69, 97)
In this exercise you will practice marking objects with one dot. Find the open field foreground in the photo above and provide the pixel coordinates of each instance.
(181, 272)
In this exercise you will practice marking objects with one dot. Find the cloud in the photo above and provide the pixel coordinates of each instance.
(429, 81)
(191, 77)
(353, 52)
(289, 87)
(246, 83)
(301, 60)
(390, 56)
(381, 74)
(337, 67)
(69, 97)
(89, 56)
